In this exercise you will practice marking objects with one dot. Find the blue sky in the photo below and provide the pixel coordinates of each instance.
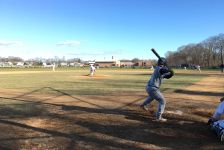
(100, 29)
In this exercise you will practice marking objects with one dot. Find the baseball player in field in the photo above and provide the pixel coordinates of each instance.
(153, 88)
(92, 70)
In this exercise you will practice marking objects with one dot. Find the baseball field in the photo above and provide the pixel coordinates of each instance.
(66, 109)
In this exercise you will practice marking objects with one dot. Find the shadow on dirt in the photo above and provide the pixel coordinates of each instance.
(199, 93)
(77, 127)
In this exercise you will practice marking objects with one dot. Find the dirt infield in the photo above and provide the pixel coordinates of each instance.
(61, 121)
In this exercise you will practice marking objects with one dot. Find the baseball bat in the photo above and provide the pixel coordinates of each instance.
(154, 51)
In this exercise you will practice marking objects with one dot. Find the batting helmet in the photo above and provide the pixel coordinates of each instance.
(162, 61)
(222, 99)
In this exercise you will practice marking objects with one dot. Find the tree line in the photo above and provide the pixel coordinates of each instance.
(14, 59)
(206, 53)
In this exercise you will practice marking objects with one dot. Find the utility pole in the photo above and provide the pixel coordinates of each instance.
(222, 63)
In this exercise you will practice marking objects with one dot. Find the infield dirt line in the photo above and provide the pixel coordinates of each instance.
(208, 89)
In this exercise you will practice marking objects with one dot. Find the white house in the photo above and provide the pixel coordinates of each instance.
(108, 63)
(20, 64)
(64, 64)
(45, 65)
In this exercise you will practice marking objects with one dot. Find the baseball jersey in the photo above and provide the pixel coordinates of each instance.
(156, 78)
(220, 108)
(92, 68)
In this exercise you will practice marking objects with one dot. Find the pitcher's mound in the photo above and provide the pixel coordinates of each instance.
(95, 76)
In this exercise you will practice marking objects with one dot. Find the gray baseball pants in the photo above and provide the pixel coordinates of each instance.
(154, 93)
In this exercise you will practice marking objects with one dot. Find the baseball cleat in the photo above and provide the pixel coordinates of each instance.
(144, 107)
(161, 119)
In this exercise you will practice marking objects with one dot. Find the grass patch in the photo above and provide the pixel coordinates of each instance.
(72, 82)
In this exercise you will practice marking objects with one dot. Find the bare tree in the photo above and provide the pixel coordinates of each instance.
(206, 54)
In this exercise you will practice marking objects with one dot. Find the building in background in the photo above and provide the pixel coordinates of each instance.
(108, 63)
(126, 63)
(143, 63)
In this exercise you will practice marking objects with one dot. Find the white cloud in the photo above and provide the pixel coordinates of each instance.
(68, 43)
(10, 43)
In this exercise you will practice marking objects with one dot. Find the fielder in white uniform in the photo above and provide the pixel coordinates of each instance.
(92, 70)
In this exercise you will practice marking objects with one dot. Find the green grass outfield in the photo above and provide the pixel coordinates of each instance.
(107, 81)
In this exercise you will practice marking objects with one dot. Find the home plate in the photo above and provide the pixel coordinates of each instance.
(176, 112)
